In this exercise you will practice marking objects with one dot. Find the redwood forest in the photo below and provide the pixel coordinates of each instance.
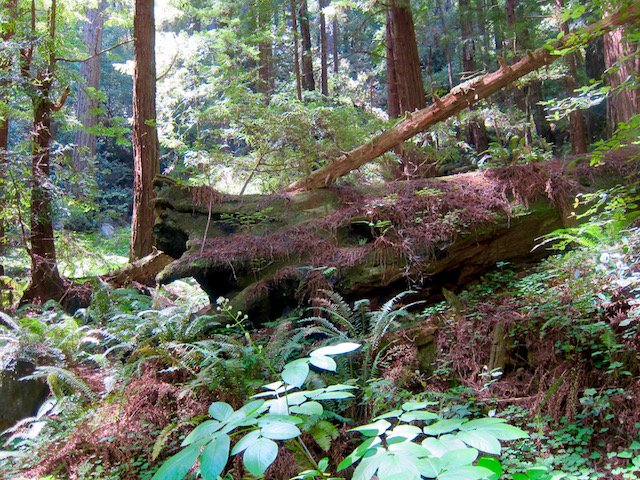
(332, 239)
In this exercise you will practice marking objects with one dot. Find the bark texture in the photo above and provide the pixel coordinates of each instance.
(87, 103)
(324, 50)
(145, 138)
(458, 99)
(296, 48)
(308, 82)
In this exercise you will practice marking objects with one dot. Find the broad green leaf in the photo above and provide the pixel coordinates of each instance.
(492, 464)
(259, 455)
(422, 415)
(220, 411)
(324, 363)
(251, 408)
(245, 441)
(204, 430)
(333, 396)
(481, 422)
(296, 398)
(505, 432)
(214, 458)
(391, 414)
(429, 467)
(368, 466)
(335, 349)
(410, 406)
(466, 473)
(443, 426)
(459, 458)
(339, 387)
(274, 418)
(410, 449)
(373, 429)
(176, 467)
(296, 372)
(397, 467)
(483, 441)
(408, 432)
(280, 431)
(435, 446)
(308, 408)
(366, 447)
(278, 406)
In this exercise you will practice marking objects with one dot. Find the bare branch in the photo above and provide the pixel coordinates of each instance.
(97, 54)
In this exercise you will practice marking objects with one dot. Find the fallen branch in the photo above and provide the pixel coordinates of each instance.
(460, 97)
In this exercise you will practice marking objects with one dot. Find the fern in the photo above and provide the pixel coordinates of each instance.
(62, 382)
(324, 432)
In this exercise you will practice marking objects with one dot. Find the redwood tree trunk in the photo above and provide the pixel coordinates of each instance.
(266, 75)
(577, 126)
(145, 139)
(87, 103)
(335, 39)
(308, 83)
(623, 103)
(324, 54)
(296, 48)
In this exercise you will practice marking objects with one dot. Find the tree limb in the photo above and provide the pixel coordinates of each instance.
(97, 54)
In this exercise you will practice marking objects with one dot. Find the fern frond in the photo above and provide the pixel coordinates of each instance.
(62, 382)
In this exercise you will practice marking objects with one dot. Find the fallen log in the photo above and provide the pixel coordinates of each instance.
(140, 272)
(271, 253)
(461, 97)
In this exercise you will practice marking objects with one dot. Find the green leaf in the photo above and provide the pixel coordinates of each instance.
(481, 422)
(429, 467)
(443, 426)
(459, 457)
(280, 431)
(408, 432)
(410, 406)
(483, 441)
(335, 349)
(422, 415)
(308, 408)
(202, 431)
(391, 414)
(373, 429)
(409, 449)
(466, 473)
(220, 411)
(259, 455)
(296, 372)
(176, 467)
(324, 363)
(368, 466)
(333, 396)
(492, 464)
(366, 447)
(245, 441)
(505, 432)
(398, 467)
(214, 457)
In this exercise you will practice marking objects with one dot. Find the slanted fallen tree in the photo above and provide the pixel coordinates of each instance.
(268, 253)
(461, 97)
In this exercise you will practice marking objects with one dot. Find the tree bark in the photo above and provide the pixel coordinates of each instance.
(457, 100)
(308, 82)
(46, 282)
(577, 125)
(393, 102)
(296, 48)
(623, 102)
(145, 139)
(324, 50)
(335, 44)
(8, 9)
(266, 74)
(87, 103)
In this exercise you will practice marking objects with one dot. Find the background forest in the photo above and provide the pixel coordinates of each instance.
(400, 239)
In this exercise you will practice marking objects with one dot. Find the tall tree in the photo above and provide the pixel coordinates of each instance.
(87, 101)
(324, 46)
(622, 61)
(296, 48)
(404, 75)
(8, 10)
(308, 82)
(266, 72)
(577, 125)
(335, 44)
(46, 282)
(146, 160)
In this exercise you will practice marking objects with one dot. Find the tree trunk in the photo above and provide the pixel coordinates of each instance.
(8, 9)
(87, 102)
(335, 43)
(296, 48)
(266, 74)
(324, 53)
(393, 102)
(46, 282)
(595, 68)
(457, 100)
(477, 132)
(446, 46)
(624, 102)
(308, 83)
(408, 74)
(577, 126)
(145, 140)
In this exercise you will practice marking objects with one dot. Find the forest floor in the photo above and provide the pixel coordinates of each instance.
(550, 347)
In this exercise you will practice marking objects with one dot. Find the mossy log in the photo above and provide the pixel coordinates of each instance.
(270, 253)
